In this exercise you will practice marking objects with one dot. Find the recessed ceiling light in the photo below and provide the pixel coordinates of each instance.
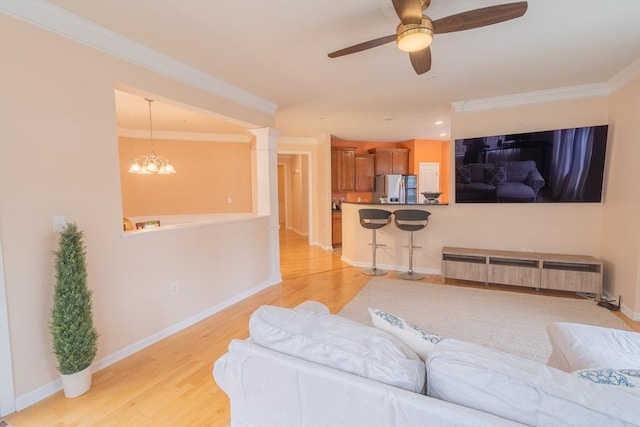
(443, 134)
(438, 122)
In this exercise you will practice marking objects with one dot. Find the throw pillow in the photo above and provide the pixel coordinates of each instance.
(463, 174)
(337, 342)
(496, 175)
(419, 340)
(620, 377)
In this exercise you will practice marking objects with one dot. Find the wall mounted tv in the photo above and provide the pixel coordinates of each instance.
(562, 165)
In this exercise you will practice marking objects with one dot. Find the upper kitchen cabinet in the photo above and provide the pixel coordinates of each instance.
(391, 161)
(364, 172)
(343, 169)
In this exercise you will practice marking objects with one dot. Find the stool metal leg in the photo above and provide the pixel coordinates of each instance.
(374, 271)
(411, 275)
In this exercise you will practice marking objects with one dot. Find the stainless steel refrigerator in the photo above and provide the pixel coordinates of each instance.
(396, 188)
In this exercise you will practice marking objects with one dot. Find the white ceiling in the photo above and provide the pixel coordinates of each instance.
(277, 50)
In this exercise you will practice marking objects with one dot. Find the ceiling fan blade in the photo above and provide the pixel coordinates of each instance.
(479, 17)
(421, 60)
(409, 11)
(363, 46)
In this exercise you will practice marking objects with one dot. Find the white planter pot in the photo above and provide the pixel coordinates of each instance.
(77, 384)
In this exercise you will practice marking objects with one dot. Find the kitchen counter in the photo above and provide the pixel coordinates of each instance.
(404, 205)
(356, 240)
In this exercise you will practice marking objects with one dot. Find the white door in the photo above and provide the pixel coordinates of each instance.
(428, 178)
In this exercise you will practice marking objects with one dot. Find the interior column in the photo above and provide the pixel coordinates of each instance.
(265, 191)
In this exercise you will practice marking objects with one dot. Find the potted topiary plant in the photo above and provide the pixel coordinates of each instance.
(75, 340)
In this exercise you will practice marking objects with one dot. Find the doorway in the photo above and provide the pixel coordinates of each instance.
(428, 178)
(294, 194)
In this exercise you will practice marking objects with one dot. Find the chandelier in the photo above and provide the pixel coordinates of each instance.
(152, 163)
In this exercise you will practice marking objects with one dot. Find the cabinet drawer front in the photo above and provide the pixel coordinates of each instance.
(576, 281)
(512, 275)
(464, 271)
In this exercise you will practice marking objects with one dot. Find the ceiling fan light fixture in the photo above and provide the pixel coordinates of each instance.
(414, 37)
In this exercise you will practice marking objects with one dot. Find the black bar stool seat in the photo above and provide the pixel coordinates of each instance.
(411, 220)
(374, 219)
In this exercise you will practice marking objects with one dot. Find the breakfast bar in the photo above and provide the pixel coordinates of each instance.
(393, 251)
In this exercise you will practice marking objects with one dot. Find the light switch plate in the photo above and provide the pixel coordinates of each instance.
(58, 223)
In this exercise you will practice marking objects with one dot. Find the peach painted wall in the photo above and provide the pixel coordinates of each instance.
(57, 110)
(621, 216)
(208, 174)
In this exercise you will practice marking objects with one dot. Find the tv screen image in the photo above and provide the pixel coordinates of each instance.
(562, 165)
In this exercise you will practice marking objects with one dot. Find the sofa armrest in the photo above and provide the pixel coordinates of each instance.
(535, 180)
(267, 388)
(577, 346)
(523, 390)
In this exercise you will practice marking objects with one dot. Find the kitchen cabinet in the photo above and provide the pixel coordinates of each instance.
(391, 161)
(336, 228)
(364, 172)
(343, 169)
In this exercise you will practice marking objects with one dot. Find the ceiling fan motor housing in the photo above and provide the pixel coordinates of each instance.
(414, 37)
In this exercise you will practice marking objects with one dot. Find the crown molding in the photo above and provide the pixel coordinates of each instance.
(626, 75)
(623, 77)
(61, 22)
(535, 97)
(184, 136)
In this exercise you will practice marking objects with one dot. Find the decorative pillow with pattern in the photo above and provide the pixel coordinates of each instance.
(620, 377)
(419, 340)
(496, 175)
(463, 174)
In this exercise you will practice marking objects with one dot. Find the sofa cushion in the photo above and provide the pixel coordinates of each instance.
(576, 346)
(515, 192)
(477, 171)
(311, 306)
(463, 174)
(524, 390)
(419, 340)
(340, 343)
(480, 187)
(518, 171)
(496, 175)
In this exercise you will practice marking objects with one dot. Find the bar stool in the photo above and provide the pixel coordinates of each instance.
(373, 219)
(411, 220)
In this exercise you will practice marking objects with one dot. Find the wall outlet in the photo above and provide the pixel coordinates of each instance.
(173, 289)
(59, 223)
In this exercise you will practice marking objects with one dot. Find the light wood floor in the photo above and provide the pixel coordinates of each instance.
(170, 383)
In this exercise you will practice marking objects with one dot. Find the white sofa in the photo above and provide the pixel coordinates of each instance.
(297, 369)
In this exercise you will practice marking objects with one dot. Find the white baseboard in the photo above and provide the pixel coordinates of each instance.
(53, 387)
(321, 246)
(298, 232)
(391, 267)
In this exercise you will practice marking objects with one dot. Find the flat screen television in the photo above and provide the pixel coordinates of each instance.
(553, 166)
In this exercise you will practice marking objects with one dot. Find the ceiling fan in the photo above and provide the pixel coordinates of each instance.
(416, 30)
